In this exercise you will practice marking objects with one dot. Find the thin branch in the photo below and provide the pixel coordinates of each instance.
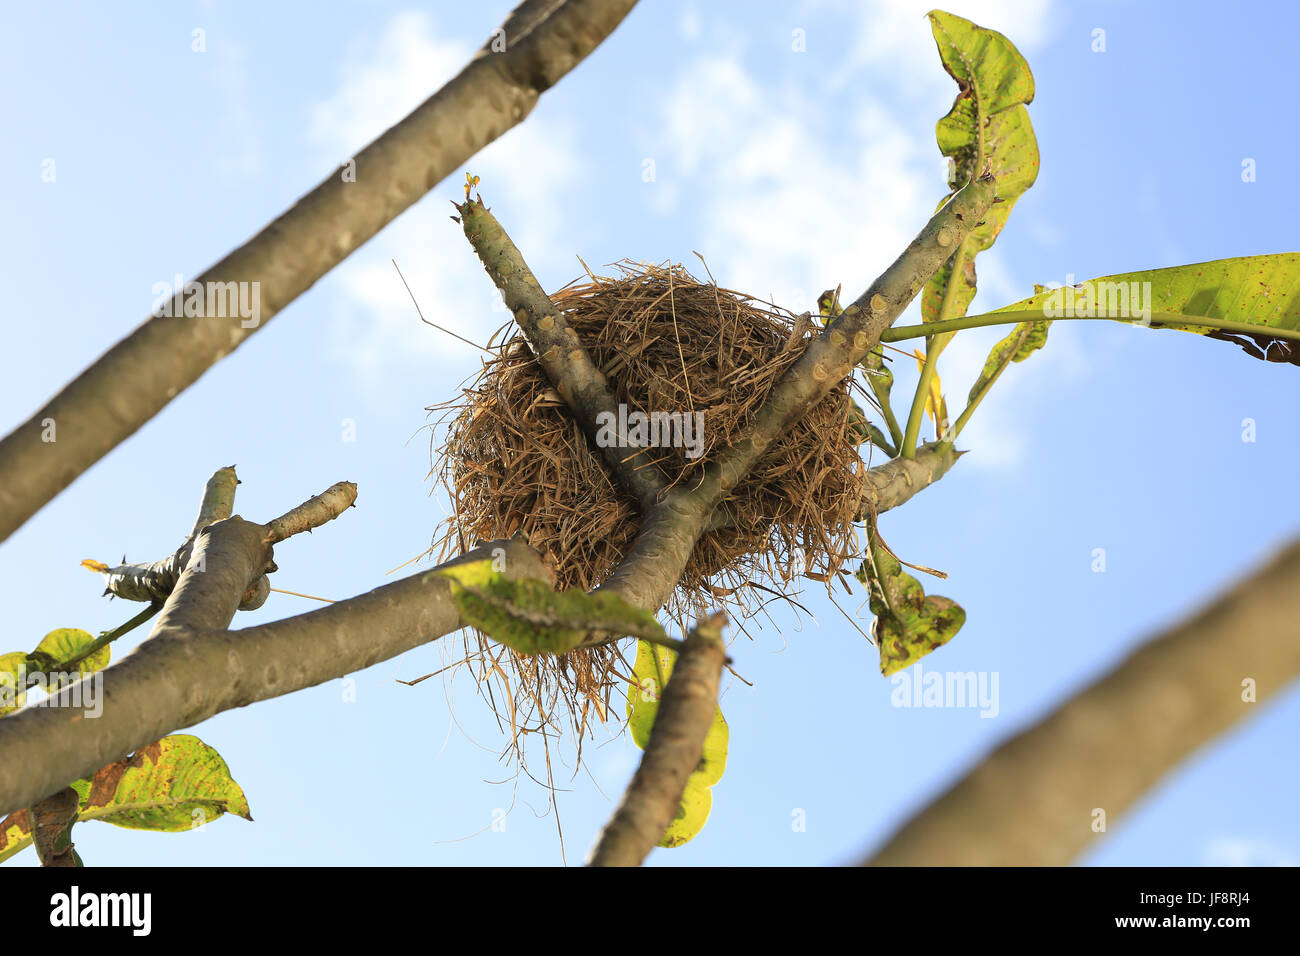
(1035, 800)
(218, 499)
(559, 351)
(540, 42)
(897, 480)
(676, 745)
(313, 512)
(155, 582)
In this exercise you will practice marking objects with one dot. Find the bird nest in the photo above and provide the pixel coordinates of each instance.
(513, 459)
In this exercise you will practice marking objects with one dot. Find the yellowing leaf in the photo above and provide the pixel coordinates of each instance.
(935, 406)
(13, 683)
(909, 624)
(175, 784)
(1253, 301)
(651, 671)
(65, 644)
(987, 128)
(828, 303)
(15, 834)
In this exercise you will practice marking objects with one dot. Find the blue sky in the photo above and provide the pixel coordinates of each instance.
(790, 172)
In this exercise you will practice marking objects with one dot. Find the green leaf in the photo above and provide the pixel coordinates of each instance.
(55, 648)
(66, 643)
(651, 671)
(987, 128)
(1253, 301)
(1023, 341)
(828, 304)
(908, 624)
(531, 618)
(13, 687)
(175, 784)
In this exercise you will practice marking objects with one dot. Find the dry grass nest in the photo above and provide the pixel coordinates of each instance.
(512, 458)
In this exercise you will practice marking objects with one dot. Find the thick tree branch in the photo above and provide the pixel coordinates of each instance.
(225, 559)
(676, 745)
(1033, 801)
(135, 379)
(180, 675)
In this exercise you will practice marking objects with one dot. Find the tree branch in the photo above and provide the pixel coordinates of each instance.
(136, 378)
(898, 479)
(559, 351)
(182, 675)
(218, 499)
(1032, 802)
(225, 559)
(313, 512)
(155, 582)
(676, 745)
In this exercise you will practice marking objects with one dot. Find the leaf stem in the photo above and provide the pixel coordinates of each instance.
(955, 428)
(108, 637)
(936, 342)
(917, 412)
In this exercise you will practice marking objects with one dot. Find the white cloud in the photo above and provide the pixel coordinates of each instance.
(825, 181)
(527, 172)
(380, 86)
(893, 35)
(789, 212)
(243, 159)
